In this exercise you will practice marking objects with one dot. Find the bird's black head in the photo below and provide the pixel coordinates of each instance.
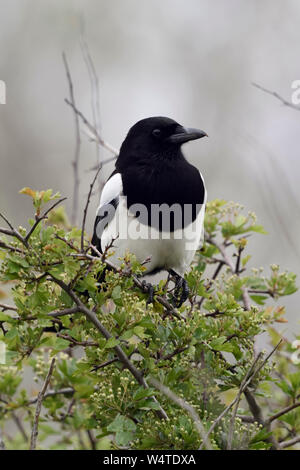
(155, 138)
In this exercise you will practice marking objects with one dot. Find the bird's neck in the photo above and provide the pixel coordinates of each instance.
(164, 158)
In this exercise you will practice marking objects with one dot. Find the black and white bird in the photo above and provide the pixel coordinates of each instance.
(153, 203)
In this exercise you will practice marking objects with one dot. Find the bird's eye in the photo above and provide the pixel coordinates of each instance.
(156, 132)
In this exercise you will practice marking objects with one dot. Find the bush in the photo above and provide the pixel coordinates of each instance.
(112, 372)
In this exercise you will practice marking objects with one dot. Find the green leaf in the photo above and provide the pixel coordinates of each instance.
(111, 343)
(124, 429)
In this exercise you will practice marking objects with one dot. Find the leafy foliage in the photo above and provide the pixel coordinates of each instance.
(201, 351)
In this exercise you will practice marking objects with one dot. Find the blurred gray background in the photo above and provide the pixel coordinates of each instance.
(192, 60)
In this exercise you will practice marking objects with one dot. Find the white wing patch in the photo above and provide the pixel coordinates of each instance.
(113, 188)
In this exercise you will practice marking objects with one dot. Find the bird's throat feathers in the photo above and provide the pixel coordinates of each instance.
(144, 158)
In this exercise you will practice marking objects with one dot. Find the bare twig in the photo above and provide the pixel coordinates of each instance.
(246, 418)
(75, 342)
(20, 426)
(86, 207)
(5, 307)
(12, 232)
(40, 398)
(75, 162)
(92, 439)
(103, 162)
(238, 260)
(62, 313)
(290, 443)
(223, 252)
(104, 364)
(52, 393)
(8, 247)
(95, 99)
(177, 351)
(93, 131)
(283, 412)
(277, 96)
(246, 298)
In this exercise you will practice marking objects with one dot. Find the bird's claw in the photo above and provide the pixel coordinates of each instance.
(181, 291)
(150, 289)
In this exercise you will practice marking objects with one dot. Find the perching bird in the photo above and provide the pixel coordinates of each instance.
(153, 203)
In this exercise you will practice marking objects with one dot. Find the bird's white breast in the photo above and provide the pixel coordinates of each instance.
(166, 250)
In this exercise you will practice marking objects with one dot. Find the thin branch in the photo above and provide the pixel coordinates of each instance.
(223, 252)
(13, 232)
(20, 426)
(238, 260)
(7, 221)
(283, 412)
(52, 393)
(86, 207)
(289, 443)
(246, 418)
(92, 439)
(5, 307)
(9, 247)
(264, 292)
(95, 99)
(246, 298)
(75, 162)
(94, 132)
(75, 342)
(177, 351)
(104, 364)
(103, 162)
(40, 398)
(185, 406)
(277, 96)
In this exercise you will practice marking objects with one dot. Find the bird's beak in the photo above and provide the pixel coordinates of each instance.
(185, 135)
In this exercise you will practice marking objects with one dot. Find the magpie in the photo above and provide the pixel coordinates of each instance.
(153, 203)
